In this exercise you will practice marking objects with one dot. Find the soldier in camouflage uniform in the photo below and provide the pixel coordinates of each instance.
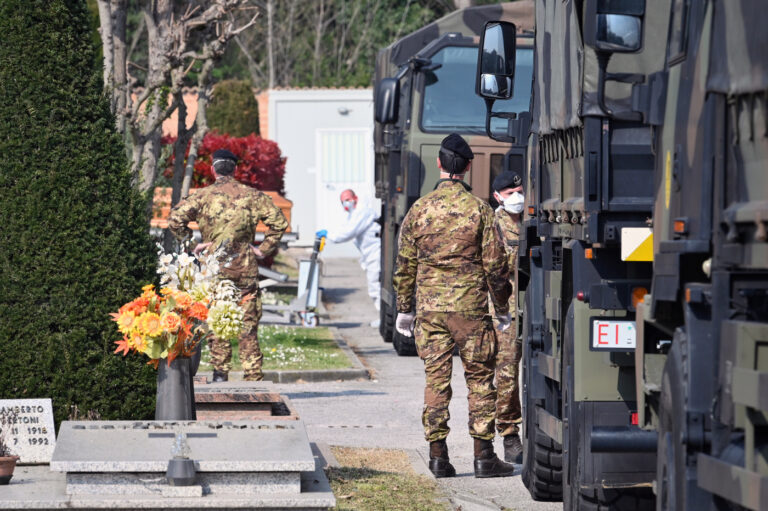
(450, 256)
(228, 212)
(508, 192)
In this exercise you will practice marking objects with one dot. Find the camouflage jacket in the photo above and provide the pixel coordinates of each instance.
(449, 254)
(228, 212)
(508, 230)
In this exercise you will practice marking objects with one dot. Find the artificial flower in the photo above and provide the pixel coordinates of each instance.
(149, 324)
(170, 322)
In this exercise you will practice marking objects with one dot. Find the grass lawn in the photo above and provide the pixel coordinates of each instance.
(381, 479)
(291, 348)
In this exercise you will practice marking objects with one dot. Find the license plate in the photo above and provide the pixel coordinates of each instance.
(613, 335)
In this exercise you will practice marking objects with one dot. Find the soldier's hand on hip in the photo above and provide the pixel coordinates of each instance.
(200, 247)
(404, 323)
(505, 321)
(258, 252)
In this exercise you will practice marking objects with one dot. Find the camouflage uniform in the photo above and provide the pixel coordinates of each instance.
(228, 213)
(508, 411)
(450, 256)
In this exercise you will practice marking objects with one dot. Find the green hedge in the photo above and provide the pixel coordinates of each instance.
(234, 109)
(74, 241)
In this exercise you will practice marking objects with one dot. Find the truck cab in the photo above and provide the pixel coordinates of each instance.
(424, 87)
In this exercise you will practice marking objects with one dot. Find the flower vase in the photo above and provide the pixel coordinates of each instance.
(7, 465)
(175, 390)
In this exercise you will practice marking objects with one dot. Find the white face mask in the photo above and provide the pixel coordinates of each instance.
(348, 205)
(514, 203)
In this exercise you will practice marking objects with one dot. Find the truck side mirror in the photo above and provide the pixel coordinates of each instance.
(496, 61)
(614, 26)
(618, 33)
(495, 78)
(387, 100)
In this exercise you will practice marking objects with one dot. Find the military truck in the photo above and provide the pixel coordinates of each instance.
(650, 141)
(424, 86)
(702, 352)
(589, 189)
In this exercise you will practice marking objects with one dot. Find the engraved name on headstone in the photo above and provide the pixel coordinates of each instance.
(28, 428)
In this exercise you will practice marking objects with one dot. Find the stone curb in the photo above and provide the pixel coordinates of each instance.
(325, 452)
(459, 500)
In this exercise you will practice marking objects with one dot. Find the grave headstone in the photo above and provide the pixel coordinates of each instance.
(30, 433)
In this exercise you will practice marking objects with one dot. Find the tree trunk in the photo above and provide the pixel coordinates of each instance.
(201, 123)
(121, 92)
(270, 44)
(179, 149)
(105, 30)
(158, 16)
(461, 4)
(319, 29)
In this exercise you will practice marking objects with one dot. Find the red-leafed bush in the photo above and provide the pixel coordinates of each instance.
(260, 164)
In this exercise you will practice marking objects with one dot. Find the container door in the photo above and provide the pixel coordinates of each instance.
(345, 160)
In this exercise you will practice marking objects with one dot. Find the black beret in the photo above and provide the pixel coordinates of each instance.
(458, 145)
(507, 179)
(224, 154)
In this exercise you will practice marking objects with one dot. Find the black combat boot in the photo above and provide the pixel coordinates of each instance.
(513, 449)
(487, 464)
(219, 376)
(438, 460)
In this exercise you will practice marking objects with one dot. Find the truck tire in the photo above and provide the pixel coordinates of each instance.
(670, 468)
(675, 491)
(404, 346)
(542, 456)
(386, 322)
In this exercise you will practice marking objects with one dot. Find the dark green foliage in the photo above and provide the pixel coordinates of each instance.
(74, 241)
(234, 109)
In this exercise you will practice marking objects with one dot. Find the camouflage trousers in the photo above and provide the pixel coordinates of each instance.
(436, 334)
(508, 411)
(250, 353)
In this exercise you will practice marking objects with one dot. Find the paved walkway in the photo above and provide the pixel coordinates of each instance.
(386, 411)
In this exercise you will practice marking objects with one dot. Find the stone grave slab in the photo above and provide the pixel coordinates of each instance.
(37, 487)
(230, 483)
(215, 446)
(241, 401)
(30, 434)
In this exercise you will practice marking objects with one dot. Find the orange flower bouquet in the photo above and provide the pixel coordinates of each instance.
(165, 325)
(193, 304)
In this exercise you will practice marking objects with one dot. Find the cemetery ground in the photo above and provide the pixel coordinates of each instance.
(286, 347)
(374, 424)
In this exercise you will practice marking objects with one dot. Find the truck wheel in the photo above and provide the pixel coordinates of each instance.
(542, 465)
(386, 322)
(542, 457)
(404, 346)
(675, 491)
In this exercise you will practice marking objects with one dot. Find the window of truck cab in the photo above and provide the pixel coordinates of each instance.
(449, 103)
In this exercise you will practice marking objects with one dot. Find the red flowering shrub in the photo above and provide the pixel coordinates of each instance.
(260, 163)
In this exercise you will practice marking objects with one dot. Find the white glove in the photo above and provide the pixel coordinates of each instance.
(404, 323)
(505, 321)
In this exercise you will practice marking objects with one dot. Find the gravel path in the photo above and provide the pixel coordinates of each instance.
(386, 411)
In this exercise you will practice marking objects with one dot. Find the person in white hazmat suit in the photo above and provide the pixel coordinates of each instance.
(363, 229)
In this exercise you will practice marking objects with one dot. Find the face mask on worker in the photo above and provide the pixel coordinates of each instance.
(348, 205)
(514, 203)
